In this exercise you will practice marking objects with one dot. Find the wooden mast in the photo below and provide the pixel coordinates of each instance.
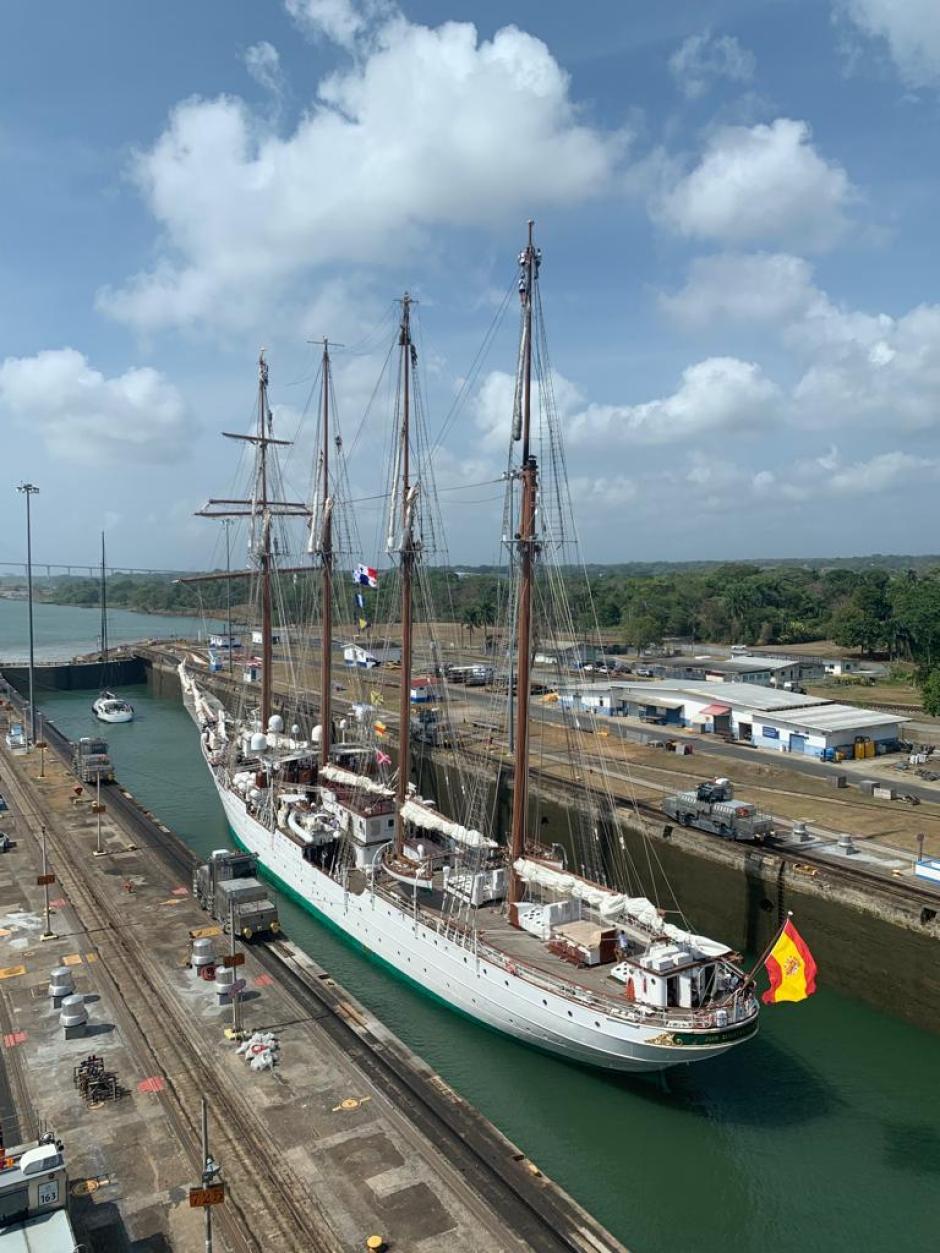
(325, 543)
(526, 549)
(268, 509)
(407, 554)
(267, 630)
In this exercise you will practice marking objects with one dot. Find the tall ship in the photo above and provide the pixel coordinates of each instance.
(557, 947)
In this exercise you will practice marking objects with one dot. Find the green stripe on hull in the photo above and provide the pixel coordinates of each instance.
(367, 952)
(423, 990)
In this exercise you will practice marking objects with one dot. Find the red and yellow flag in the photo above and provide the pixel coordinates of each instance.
(790, 968)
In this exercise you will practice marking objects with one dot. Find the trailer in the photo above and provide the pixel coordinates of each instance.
(228, 888)
(712, 807)
(90, 760)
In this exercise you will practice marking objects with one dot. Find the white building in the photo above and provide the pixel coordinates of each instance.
(765, 716)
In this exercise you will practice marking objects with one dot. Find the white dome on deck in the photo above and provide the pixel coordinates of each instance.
(259, 742)
(276, 724)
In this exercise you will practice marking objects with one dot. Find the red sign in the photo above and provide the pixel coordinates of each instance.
(43, 880)
(233, 959)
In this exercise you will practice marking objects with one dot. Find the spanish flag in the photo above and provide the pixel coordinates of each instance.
(790, 968)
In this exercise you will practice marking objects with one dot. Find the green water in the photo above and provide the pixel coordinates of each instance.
(823, 1134)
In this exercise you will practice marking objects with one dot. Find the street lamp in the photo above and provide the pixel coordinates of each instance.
(28, 490)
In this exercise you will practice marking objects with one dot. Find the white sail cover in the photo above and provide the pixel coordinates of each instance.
(336, 774)
(417, 814)
(611, 904)
(700, 943)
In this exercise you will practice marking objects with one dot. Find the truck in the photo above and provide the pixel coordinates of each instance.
(90, 760)
(712, 807)
(227, 887)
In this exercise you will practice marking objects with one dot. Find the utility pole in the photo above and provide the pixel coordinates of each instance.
(41, 745)
(98, 810)
(29, 490)
(236, 1008)
(44, 880)
(211, 1190)
(227, 523)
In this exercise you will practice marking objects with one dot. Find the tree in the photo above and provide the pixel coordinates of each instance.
(930, 692)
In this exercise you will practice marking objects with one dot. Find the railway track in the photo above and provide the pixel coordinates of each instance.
(176, 1053)
(537, 1214)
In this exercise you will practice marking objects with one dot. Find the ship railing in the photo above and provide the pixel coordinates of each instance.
(740, 1009)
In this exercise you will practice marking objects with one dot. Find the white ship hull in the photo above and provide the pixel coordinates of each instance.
(461, 978)
(124, 716)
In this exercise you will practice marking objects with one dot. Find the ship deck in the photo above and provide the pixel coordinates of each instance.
(518, 946)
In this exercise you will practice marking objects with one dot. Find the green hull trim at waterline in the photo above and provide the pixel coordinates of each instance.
(423, 990)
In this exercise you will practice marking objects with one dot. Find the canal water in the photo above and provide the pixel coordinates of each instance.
(823, 1134)
(64, 631)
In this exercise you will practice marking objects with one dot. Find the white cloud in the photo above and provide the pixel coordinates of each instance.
(753, 287)
(884, 472)
(340, 21)
(704, 58)
(604, 492)
(720, 393)
(911, 30)
(432, 126)
(84, 417)
(852, 366)
(263, 63)
(760, 183)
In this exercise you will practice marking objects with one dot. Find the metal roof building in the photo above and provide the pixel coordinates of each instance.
(765, 716)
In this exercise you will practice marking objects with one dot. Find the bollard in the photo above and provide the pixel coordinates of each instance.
(74, 1016)
(61, 985)
(224, 981)
(203, 954)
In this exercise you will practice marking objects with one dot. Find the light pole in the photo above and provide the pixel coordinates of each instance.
(227, 523)
(45, 879)
(28, 490)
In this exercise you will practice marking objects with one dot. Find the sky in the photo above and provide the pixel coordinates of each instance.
(735, 202)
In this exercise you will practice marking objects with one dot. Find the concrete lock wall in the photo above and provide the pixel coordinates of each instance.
(77, 676)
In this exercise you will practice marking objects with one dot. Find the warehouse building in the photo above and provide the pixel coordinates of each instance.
(764, 716)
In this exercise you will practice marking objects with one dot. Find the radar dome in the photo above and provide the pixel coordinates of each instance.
(276, 724)
(316, 735)
(295, 731)
(259, 742)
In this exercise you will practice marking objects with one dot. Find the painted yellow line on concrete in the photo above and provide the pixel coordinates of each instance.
(10, 972)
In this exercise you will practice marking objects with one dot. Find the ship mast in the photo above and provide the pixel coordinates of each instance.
(408, 556)
(325, 550)
(526, 549)
(259, 508)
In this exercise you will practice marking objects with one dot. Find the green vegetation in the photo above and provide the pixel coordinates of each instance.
(892, 610)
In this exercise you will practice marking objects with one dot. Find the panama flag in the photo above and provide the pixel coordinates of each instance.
(366, 575)
(790, 968)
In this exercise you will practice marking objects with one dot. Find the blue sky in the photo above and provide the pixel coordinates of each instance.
(735, 200)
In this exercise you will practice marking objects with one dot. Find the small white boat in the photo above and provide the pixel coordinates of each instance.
(111, 708)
